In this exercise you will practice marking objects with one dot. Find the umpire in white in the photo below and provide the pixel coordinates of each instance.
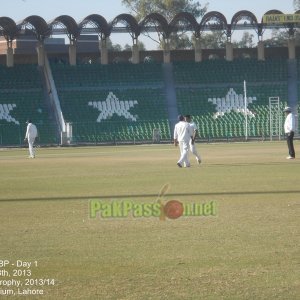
(182, 136)
(192, 145)
(31, 134)
(289, 130)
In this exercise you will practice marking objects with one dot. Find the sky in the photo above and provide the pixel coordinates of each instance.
(79, 9)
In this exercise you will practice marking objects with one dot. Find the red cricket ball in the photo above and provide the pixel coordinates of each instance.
(173, 209)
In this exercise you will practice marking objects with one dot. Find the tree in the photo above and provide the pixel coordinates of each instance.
(113, 47)
(141, 46)
(168, 8)
(180, 41)
(296, 4)
(297, 34)
(245, 42)
(214, 40)
(278, 39)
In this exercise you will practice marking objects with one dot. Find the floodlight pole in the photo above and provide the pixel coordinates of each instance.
(245, 108)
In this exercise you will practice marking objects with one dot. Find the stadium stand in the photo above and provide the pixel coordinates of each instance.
(222, 71)
(119, 102)
(21, 98)
(298, 92)
(125, 102)
(96, 118)
(212, 91)
(95, 75)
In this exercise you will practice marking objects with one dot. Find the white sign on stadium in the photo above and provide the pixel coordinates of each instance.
(281, 18)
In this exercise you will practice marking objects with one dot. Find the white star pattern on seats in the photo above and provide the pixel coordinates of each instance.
(4, 113)
(112, 105)
(231, 102)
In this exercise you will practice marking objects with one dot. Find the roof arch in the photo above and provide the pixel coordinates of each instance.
(243, 15)
(247, 16)
(187, 18)
(218, 19)
(38, 25)
(69, 23)
(8, 28)
(219, 22)
(98, 22)
(273, 12)
(130, 22)
(164, 27)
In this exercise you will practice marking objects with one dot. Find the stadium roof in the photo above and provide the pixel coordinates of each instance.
(97, 24)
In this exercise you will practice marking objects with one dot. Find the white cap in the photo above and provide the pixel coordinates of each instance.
(287, 109)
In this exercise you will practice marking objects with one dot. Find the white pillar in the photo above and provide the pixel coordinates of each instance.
(135, 54)
(292, 48)
(72, 53)
(229, 51)
(260, 50)
(104, 52)
(198, 50)
(167, 52)
(9, 56)
(41, 54)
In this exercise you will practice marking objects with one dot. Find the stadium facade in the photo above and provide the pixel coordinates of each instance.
(80, 92)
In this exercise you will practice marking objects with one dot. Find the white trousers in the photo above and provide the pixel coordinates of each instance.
(30, 146)
(184, 149)
(194, 150)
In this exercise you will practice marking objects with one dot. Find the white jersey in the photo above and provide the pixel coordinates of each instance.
(193, 126)
(183, 132)
(31, 131)
(289, 124)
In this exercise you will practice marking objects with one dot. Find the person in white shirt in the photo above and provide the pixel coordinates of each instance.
(192, 145)
(182, 136)
(31, 134)
(289, 130)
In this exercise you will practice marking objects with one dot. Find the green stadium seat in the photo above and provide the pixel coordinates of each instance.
(115, 102)
(21, 97)
(203, 90)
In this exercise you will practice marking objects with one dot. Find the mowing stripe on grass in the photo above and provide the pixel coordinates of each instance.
(153, 195)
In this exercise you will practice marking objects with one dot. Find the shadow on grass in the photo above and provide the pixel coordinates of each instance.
(154, 196)
(255, 164)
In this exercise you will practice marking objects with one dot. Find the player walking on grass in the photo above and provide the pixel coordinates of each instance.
(289, 129)
(31, 134)
(192, 145)
(182, 136)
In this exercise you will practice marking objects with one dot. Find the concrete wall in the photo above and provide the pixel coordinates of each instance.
(88, 50)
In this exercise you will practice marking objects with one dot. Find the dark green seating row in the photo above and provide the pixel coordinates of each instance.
(147, 112)
(227, 119)
(20, 77)
(106, 75)
(12, 134)
(22, 98)
(119, 131)
(222, 71)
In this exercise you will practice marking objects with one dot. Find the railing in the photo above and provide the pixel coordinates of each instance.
(118, 132)
(122, 132)
(13, 135)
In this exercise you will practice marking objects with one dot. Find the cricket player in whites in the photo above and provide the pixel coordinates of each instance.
(192, 145)
(182, 136)
(289, 129)
(31, 134)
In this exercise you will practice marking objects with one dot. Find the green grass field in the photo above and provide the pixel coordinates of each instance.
(249, 250)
